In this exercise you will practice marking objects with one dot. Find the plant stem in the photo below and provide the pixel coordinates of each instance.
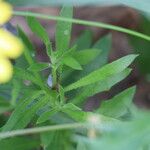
(83, 22)
(8, 134)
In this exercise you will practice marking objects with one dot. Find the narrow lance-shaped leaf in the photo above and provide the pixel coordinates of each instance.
(74, 112)
(63, 30)
(29, 48)
(19, 143)
(46, 115)
(77, 114)
(38, 66)
(104, 72)
(86, 56)
(39, 30)
(85, 37)
(29, 113)
(4, 105)
(118, 105)
(104, 45)
(26, 75)
(15, 91)
(104, 85)
(71, 62)
(19, 112)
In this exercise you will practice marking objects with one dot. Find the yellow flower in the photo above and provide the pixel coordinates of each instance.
(5, 12)
(6, 70)
(10, 45)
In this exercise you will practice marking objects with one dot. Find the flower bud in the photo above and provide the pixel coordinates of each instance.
(5, 12)
(6, 70)
(10, 45)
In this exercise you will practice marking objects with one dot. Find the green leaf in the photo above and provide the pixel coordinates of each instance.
(104, 44)
(118, 105)
(26, 75)
(39, 30)
(22, 114)
(29, 114)
(29, 48)
(86, 56)
(78, 115)
(4, 106)
(15, 91)
(104, 72)
(19, 143)
(25, 39)
(71, 62)
(59, 55)
(142, 47)
(56, 140)
(36, 67)
(74, 112)
(101, 86)
(85, 37)
(46, 115)
(63, 30)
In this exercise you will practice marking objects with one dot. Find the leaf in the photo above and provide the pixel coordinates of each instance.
(104, 44)
(4, 106)
(25, 39)
(29, 114)
(85, 37)
(118, 105)
(26, 75)
(86, 56)
(36, 67)
(15, 91)
(71, 62)
(78, 115)
(74, 112)
(59, 55)
(104, 72)
(101, 86)
(16, 119)
(19, 143)
(63, 30)
(29, 48)
(46, 115)
(39, 30)
(142, 47)
(56, 140)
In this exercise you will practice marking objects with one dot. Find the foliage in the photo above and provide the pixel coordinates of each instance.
(77, 72)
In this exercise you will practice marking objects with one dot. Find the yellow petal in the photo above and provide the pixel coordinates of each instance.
(5, 12)
(6, 70)
(10, 45)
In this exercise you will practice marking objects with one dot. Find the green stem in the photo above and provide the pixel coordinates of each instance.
(83, 22)
(8, 134)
